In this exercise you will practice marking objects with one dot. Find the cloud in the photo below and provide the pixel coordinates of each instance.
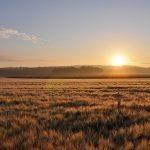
(12, 59)
(146, 62)
(7, 58)
(7, 33)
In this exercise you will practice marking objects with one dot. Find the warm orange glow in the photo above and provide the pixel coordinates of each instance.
(119, 60)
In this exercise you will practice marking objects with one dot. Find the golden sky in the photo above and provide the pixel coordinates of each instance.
(56, 33)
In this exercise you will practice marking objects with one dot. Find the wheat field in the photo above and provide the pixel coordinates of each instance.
(100, 114)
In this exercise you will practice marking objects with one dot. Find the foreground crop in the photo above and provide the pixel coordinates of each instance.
(74, 114)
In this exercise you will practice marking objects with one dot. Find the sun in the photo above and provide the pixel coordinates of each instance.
(118, 60)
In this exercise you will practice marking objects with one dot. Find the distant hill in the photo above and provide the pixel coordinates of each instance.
(50, 71)
(76, 72)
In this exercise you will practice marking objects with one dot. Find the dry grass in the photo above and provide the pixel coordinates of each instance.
(74, 114)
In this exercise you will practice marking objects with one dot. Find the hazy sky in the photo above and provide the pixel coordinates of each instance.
(74, 32)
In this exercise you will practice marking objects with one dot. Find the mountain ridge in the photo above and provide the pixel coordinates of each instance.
(75, 71)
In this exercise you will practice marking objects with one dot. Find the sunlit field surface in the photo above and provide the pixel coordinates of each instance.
(74, 114)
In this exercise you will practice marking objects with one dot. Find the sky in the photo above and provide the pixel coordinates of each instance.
(74, 32)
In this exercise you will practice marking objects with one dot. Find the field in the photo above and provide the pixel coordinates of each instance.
(74, 114)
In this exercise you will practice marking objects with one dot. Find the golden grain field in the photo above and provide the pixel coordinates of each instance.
(46, 114)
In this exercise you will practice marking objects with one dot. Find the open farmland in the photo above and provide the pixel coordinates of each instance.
(74, 114)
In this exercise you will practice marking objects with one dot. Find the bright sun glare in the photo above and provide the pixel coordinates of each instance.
(118, 60)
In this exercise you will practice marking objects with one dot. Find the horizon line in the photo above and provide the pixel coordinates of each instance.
(74, 66)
